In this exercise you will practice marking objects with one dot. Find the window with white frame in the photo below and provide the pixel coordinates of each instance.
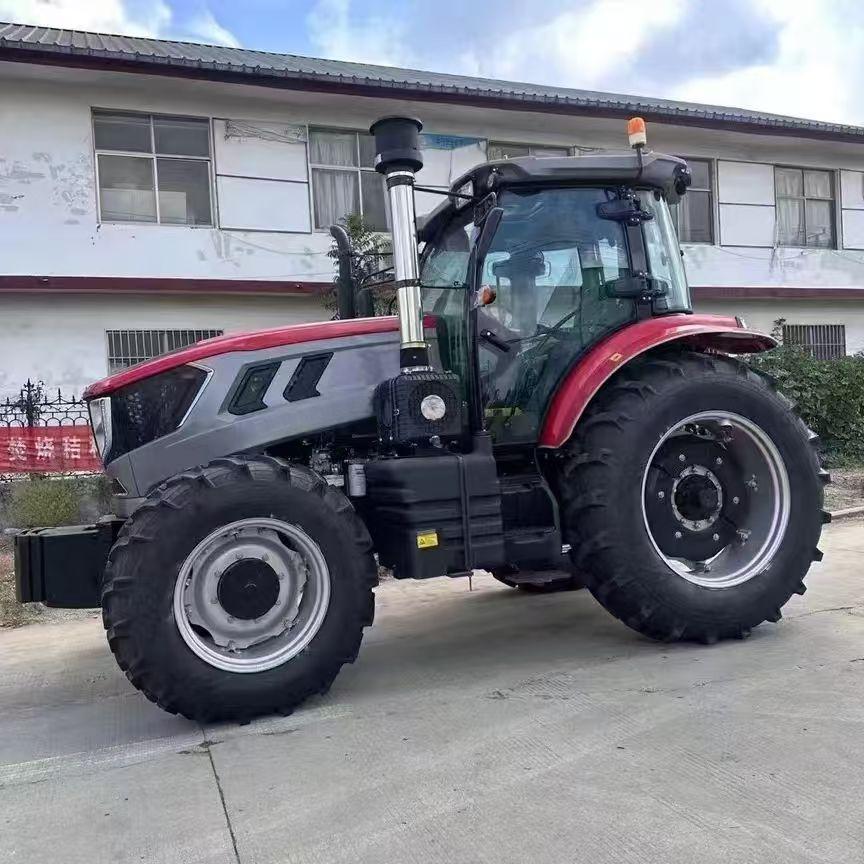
(822, 341)
(500, 150)
(694, 213)
(128, 347)
(344, 179)
(153, 168)
(805, 207)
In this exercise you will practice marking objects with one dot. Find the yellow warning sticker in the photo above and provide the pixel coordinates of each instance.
(427, 539)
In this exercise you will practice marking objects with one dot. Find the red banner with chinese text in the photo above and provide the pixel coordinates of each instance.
(48, 449)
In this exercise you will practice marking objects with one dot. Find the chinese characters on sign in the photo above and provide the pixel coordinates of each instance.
(48, 449)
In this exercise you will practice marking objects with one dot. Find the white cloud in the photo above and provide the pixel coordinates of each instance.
(579, 47)
(105, 16)
(576, 47)
(815, 72)
(590, 44)
(205, 28)
(335, 34)
(154, 18)
(809, 70)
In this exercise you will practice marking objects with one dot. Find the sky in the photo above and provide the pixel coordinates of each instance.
(798, 57)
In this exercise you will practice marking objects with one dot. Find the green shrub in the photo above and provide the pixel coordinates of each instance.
(50, 502)
(828, 394)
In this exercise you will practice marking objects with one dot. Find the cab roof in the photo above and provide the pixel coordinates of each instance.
(668, 174)
(613, 167)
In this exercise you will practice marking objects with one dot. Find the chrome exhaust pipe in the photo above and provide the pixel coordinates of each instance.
(398, 158)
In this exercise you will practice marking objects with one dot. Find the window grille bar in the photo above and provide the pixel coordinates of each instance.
(128, 347)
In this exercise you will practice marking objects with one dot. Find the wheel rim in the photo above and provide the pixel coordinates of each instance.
(252, 595)
(715, 499)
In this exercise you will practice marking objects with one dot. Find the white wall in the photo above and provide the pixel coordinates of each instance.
(761, 315)
(60, 339)
(48, 219)
(48, 212)
(48, 208)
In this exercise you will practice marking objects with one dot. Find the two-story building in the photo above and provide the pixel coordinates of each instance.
(153, 193)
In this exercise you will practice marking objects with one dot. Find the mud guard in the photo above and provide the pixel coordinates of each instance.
(700, 332)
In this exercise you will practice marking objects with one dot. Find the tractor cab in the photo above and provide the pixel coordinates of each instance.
(582, 246)
(526, 267)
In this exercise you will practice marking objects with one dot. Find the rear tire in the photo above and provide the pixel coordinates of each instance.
(160, 653)
(606, 504)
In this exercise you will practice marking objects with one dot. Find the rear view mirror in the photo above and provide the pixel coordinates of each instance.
(484, 207)
(636, 287)
(487, 232)
(626, 210)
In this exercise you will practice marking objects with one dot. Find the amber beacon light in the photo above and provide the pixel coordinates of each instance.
(636, 132)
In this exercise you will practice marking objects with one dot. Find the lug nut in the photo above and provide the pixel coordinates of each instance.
(677, 535)
(681, 457)
(718, 461)
(661, 495)
(715, 537)
(736, 500)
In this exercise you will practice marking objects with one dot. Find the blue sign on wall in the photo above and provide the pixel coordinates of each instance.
(446, 142)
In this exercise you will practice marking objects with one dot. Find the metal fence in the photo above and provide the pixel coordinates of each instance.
(45, 433)
(35, 407)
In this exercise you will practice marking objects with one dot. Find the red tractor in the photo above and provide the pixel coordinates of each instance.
(545, 401)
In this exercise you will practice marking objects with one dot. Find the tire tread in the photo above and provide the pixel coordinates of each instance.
(585, 474)
(179, 493)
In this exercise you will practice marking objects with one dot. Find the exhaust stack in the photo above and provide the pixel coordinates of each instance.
(398, 158)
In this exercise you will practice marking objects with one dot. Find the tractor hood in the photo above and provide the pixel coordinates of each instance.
(257, 340)
(241, 393)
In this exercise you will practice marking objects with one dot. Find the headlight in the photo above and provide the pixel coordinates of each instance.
(100, 423)
(433, 407)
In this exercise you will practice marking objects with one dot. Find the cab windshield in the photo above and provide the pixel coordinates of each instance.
(551, 266)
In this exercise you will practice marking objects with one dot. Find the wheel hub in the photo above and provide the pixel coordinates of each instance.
(716, 499)
(252, 594)
(697, 497)
(690, 507)
(248, 589)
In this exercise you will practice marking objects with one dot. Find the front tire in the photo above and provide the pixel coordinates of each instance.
(669, 477)
(238, 589)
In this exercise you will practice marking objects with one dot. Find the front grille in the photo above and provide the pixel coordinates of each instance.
(149, 409)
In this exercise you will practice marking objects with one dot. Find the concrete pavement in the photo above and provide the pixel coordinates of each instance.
(489, 726)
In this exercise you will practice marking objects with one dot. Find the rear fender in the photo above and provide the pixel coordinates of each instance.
(589, 373)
